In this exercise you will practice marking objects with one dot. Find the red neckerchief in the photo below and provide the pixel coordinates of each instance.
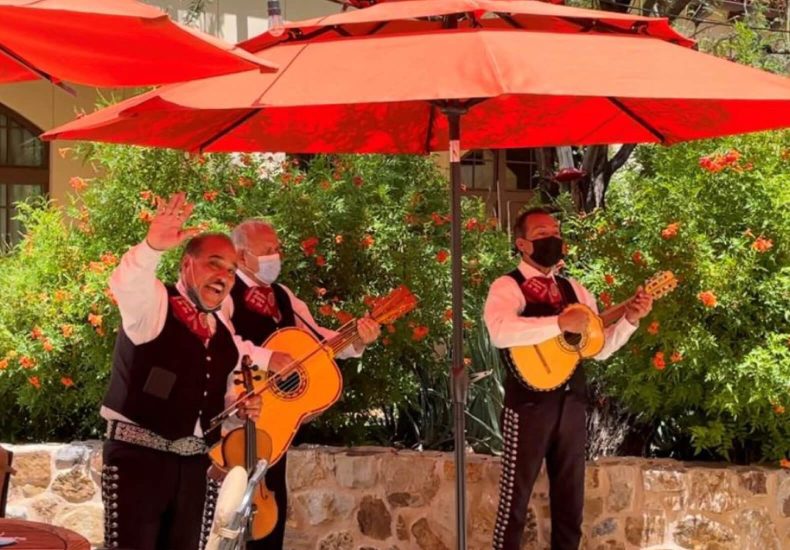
(261, 299)
(196, 321)
(542, 290)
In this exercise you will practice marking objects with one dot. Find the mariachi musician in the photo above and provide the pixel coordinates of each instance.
(527, 307)
(257, 307)
(172, 360)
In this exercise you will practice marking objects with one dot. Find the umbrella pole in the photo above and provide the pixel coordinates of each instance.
(458, 374)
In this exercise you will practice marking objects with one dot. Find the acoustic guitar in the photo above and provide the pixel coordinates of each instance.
(548, 365)
(313, 383)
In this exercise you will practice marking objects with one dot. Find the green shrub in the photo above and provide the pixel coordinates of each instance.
(352, 228)
(711, 365)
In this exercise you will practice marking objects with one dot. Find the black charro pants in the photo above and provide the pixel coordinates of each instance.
(275, 482)
(552, 427)
(153, 500)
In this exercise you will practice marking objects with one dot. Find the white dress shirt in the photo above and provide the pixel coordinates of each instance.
(143, 303)
(506, 328)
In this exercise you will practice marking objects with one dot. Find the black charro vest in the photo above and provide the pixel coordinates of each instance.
(516, 391)
(253, 326)
(166, 384)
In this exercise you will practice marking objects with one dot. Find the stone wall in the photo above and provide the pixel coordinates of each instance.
(381, 499)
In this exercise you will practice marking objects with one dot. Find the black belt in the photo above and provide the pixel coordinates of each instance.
(136, 435)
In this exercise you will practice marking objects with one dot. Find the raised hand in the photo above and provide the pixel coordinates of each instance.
(167, 228)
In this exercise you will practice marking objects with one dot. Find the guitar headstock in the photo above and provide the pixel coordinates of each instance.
(395, 305)
(661, 284)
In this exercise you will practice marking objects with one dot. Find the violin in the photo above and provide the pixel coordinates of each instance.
(245, 446)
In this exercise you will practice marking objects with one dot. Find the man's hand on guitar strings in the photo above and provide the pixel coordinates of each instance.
(573, 320)
(279, 361)
(639, 306)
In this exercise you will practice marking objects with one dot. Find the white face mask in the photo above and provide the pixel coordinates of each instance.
(268, 268)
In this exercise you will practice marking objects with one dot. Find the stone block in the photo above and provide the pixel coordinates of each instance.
(72, 455)
(425, 537)
(74, 486)
(758, 532)
(337, 541)
(622, 484)
(604, 528)
(783, 497)
(754, 482)
(87, 520)
(322, 505)
(698, 531)
(411, 481)
(664, 479)
(46, 506)
(33, 472)
(355, 472)
(374, 519)
(713, 491)
(646, 529)
(306, 469)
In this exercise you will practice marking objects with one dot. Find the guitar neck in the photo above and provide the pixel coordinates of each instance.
(612, 314)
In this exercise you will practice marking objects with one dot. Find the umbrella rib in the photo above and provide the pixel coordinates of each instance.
(638, 119)
(510, 20)
(597, 25)
(19, 60)
(228, 129)
(377, 28)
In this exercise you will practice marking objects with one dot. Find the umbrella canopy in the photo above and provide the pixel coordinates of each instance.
(380, 95)
(110, 43)
(403, 77)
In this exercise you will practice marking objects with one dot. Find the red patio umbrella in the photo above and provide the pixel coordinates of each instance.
(520, 74)
(110, 43)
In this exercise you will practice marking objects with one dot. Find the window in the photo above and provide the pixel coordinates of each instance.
(518, 167)
(24, 170)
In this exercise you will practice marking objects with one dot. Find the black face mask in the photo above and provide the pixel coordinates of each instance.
(193, 295)
(547, 251)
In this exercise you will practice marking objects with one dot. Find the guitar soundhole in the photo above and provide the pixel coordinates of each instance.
(290, 386)
(571, 341)
(572, 338)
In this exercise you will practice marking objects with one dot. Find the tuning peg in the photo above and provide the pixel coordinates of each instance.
(257, 377)
(238, 382)
(254, 367)
(236, 372)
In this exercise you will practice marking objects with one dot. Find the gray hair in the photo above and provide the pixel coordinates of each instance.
(244, 229)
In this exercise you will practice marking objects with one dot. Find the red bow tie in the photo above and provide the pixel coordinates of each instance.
(261, 299)
(196, 321)
(543, 290)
